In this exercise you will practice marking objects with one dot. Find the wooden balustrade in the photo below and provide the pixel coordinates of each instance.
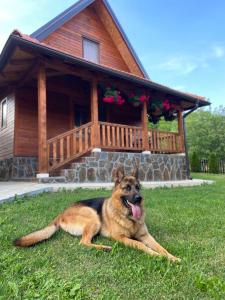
(164, 142)
(74, 143)
(68, 146)
(120, 137)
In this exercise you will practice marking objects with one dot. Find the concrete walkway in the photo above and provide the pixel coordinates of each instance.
(11, 189)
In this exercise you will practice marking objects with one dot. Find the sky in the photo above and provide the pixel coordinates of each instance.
(180, 43)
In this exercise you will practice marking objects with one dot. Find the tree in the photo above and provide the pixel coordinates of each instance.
(195, 162)
(213, 164)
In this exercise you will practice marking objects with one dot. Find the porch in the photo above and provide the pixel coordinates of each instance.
(60, 115)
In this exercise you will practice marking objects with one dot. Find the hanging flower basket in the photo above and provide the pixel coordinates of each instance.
(113, 96)
(138, 98)
(165, 108)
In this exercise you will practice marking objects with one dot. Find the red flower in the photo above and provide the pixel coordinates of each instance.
(144, 98)
(108, 99)
(166, 104)
(120, 100)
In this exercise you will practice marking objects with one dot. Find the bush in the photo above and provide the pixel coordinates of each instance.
(195, 163)
(213, 164)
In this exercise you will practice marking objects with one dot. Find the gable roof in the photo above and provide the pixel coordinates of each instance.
(72, 11)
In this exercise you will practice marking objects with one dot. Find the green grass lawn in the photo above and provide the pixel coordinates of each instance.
(189, 222)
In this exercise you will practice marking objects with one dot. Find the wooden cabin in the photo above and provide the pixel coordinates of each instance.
(74, 93)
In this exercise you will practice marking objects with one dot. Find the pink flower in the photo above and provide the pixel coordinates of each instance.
(108, 99)
(120, 100)
(166, 104)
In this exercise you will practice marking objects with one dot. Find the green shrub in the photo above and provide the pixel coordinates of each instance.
(195, 163)
(213, 164)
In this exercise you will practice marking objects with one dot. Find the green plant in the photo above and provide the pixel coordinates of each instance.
(213, 164)
(195, 162)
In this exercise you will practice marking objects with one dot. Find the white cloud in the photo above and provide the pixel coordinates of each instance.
(179, 64)
(218, 51)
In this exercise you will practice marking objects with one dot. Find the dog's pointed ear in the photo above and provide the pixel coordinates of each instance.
(118, 175)
(135, 173)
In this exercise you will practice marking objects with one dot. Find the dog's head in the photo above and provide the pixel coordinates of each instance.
(126, 195)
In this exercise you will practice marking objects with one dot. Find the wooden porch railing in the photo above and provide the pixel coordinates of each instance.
(74, 143)
(69, 145)
(120, 137)
(164, 142)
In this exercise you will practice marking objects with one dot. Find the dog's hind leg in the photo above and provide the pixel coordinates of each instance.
(90, 230)
(82, 221)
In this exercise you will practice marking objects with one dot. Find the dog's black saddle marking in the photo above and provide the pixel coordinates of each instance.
(95, 203)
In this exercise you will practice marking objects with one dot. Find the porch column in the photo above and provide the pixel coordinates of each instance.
(42, 124)
(95, 139)
(180, 130)
(144, 121)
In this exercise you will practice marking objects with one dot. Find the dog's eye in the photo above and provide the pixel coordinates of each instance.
(128, 188)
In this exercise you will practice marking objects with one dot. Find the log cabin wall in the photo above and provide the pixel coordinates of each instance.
(68, 38)
(26, 131)
(7, 133)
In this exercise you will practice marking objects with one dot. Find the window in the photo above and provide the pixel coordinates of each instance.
(3, 113)
(91, 50)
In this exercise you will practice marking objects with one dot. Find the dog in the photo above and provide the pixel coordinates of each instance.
(120, 217)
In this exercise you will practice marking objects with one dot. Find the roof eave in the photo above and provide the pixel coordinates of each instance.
(16, 40)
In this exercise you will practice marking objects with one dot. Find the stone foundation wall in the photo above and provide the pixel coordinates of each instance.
(18, 168)
(100, 167)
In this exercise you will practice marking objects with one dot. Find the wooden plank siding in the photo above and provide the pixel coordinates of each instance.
(68, 38)
(26, 132)
(7, 133)
(113, 31)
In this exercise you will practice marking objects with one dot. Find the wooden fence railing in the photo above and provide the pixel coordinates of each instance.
(120, 137)
(74, 143)
(68, 146)
(164, 142)
(205, 166)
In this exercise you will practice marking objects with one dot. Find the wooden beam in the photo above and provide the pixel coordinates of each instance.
(42, 121)
(94, 114)
(67, 69)
(18, 62)
(180, 130)
(144, 121)
(28, 74)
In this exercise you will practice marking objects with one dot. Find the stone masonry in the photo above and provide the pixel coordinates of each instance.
(100, 167)
(18, 168)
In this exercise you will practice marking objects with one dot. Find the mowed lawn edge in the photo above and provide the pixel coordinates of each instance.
(189, 222)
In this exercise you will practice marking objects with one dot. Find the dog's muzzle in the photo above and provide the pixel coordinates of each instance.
(133, 205)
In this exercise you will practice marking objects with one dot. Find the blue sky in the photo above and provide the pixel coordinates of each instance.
(180, 43)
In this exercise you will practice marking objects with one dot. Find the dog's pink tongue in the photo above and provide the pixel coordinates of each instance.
(136, 211)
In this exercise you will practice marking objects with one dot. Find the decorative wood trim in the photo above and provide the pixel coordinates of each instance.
(42, 121)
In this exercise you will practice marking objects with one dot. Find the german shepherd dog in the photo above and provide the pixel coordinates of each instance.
(120, 217)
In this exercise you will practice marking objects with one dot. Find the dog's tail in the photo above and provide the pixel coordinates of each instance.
(37, 236)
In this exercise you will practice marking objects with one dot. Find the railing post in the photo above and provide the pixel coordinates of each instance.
(180, 130)
(42, 124)
(95, 139)
(144, 121)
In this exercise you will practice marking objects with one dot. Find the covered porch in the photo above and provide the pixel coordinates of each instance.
(55, 78)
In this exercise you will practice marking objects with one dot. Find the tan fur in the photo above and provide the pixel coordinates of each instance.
(115, 223)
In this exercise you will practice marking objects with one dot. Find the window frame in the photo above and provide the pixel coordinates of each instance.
(95, 42)
(4, 101)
